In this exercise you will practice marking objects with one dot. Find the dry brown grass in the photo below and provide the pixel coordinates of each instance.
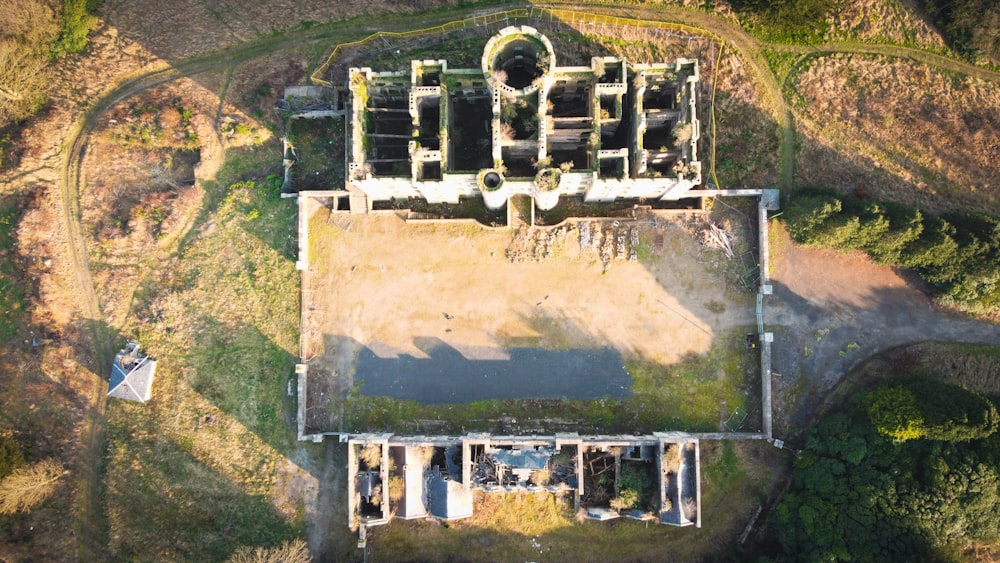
(935, 134)
(883, 21)
(39, 395)
(371, 455)
(971, 366)
(288, 552)
(747, 136)
(173, 30)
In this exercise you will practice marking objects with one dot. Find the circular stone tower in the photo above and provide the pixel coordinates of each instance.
(517, 59)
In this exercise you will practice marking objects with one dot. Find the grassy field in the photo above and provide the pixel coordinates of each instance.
(973, 366)
(202, 458)
(319, 145)
(860, 105)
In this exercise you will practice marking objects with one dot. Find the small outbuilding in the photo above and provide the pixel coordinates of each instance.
(132, 374)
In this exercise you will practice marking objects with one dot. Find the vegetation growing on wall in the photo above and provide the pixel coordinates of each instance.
(958, 253)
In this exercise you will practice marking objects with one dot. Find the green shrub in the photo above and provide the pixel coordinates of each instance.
(894, 412)
(78, 20)
(905, 226)
(10, 456)
(926, 408)
(785, 20)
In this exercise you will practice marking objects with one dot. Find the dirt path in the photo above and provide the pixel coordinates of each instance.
(832, 310)
(918, 55)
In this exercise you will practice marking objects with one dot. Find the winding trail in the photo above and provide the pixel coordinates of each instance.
(917, 55)
(91, 524)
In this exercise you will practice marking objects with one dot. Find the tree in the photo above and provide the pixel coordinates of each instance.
(971, 27)
(30, 22)
(808, 212)
(958, 253)
(294, 551)
(77, 20)
(10, 456)
(27, 487)
(894, 412)
(935, 253)
(905, 226)
(926, 408)
(872, 223)
(28, 29)
(23, 82)
(952, 413)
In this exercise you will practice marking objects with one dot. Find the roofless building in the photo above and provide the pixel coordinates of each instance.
(522, 125)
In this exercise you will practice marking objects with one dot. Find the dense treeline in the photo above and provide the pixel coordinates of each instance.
(958, 253)
(971, 27)
(858, 494)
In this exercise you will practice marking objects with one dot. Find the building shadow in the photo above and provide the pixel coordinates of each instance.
(246, 374)
(446, 376)
(189, 511)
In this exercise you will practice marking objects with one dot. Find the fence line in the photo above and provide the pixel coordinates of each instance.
(570, 17)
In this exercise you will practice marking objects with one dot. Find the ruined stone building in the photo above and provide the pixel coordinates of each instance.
(521, 124)
(654, 477)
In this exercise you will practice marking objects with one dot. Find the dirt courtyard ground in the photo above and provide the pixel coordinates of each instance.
(409, 298)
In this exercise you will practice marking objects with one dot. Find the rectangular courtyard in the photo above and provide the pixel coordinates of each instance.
(596, 325)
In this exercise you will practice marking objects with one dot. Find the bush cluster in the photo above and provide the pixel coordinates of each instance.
(925, 408)
(78, 18)
(858, 494)
(958, 253)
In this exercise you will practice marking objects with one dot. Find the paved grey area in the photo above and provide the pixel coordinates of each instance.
(446, 376)
(817, 342)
